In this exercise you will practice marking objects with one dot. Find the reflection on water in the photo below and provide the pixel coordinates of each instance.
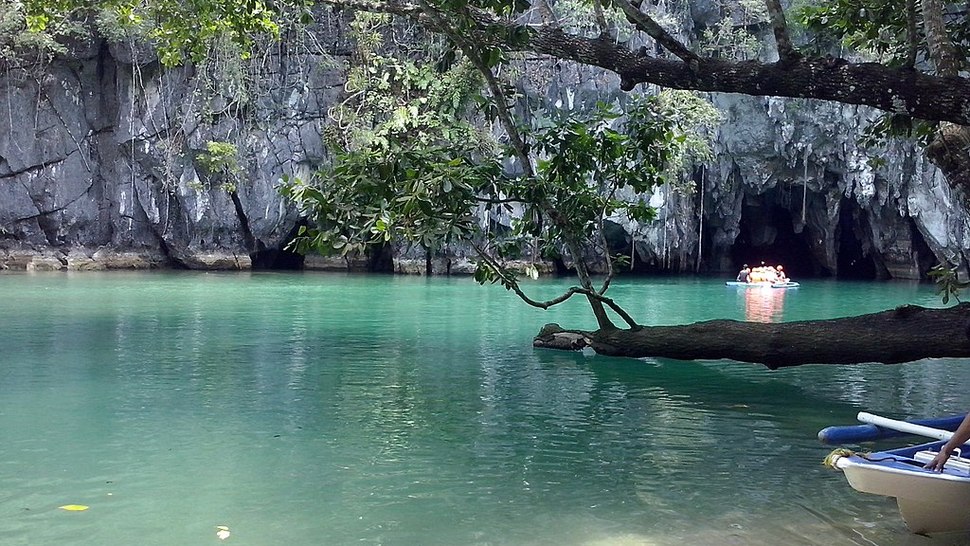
(329, 409)
(764, 304)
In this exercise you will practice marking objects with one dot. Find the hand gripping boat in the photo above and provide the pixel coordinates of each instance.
(929, 501)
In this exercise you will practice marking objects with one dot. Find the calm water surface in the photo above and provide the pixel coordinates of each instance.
(310, 409)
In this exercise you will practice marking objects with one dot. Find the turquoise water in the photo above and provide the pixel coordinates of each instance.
(311, 409)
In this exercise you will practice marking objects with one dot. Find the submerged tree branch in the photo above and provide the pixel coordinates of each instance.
(899, 335)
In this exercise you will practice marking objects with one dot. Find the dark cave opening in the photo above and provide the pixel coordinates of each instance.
(278, 258)
(855, 260)
(768, 235)
(925, 259)
(378, 259)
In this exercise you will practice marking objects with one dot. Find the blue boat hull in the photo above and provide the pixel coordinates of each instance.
(763, 284)
(854, 434)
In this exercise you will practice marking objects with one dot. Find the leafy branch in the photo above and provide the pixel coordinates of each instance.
(947, 282)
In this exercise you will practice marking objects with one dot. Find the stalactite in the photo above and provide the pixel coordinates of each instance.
(804, 191)
(700, 223)
(663, 246)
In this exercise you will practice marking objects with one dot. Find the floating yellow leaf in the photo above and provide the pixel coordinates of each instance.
(74, 507)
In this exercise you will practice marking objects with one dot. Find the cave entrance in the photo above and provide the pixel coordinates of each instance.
(856, 260)
(767, 235)
(278, 258)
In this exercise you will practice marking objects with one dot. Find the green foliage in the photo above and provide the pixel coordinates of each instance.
(875, 28)
(240, 20)
(590, 166)
(585, 160)
(578, 16)
(390, 97)
(397, 189)
(219, 157)
(180, 29)
(947, 282)
(27, 36)
(889, 126)
(374, 195)
(220, 161)
(693, 120)
(878, 27)
(409, 165)
(731, 37)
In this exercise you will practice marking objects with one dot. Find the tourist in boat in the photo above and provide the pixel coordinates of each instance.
(960, 437)
(769, 274)
(745, 274)
(778, 274)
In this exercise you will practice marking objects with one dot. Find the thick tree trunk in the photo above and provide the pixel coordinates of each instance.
(942, 52)
(903, 334)
(950, 147)
(891, 89)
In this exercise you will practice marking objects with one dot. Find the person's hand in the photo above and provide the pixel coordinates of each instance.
(937, 463)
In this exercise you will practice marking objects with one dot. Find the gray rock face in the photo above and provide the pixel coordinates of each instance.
(99, 168)
(99, 158)
(803, 158)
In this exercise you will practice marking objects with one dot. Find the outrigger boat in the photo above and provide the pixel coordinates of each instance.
(789, 284)
(929, 501)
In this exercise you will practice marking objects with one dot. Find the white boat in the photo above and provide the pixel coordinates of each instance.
(929, 501)
(789, 284)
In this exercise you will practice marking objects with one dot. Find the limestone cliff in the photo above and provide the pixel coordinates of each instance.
(101, 167)
(99, 158)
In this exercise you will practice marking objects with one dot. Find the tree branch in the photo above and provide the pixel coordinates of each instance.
(472, 51)
(600, 17)
(780, 28)
(942, 52)
(646, 23)
(897, 90)
(950, 147)
(912, 34)
(513, 284)
(891, 89)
